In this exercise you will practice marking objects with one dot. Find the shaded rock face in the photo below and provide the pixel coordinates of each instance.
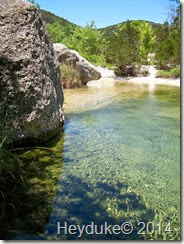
(72, 58)
(31, 95)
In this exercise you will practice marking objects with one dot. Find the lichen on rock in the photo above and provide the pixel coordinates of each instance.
(31, 94)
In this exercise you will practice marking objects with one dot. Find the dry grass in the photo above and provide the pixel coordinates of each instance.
(70, 77)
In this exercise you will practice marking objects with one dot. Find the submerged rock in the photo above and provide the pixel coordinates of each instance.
(31, 95)
(71, 58)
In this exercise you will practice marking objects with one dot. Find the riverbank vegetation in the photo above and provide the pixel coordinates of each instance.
(128, 44)
(172, 73)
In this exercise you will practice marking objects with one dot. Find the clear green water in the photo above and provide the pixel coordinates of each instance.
(121, 160)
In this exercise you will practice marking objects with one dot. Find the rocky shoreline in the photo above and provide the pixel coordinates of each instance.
(108, 77)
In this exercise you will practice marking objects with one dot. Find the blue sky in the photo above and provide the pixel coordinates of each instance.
(107, 12)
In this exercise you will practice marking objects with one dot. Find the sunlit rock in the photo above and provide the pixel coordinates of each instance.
(31, 95)
(86, 70)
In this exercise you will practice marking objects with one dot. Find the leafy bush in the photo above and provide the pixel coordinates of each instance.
(98, 60)
(89, 42)
(172, 73)
(175, 72)
(70, 78)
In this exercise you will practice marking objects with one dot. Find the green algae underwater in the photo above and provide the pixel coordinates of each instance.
(117, 161)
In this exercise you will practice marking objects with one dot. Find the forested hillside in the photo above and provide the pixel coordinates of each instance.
(58, 27)
(50, 18)
(108, 31)
(123, 46)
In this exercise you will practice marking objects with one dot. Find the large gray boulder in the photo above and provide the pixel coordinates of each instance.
(31, 95)
(86, 70)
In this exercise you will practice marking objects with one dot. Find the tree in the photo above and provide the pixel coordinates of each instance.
(147, 41)
(168, 40)
(130, 45)
(163, 48)
(56, 32)
(174, 13)
(89, 42)
(125, 44)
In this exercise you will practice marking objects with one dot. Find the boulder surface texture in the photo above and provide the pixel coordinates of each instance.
(86, 70)
(31, 95)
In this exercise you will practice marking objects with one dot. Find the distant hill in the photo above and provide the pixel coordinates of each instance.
(50, 18)
(109, 29)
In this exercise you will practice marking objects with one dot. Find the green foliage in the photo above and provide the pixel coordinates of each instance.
(50, 18)
(147, 41)
(172, 73)
(89, 42)
(58, 28)
(167, 48)
(70, 78)
(56, 31)
(124, 45)
(131, 44)
(98, 60)
(109, 30)
(167, 51)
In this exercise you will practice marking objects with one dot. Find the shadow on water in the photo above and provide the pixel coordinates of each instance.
(80, 203)
(89, 191)
(40, 170)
